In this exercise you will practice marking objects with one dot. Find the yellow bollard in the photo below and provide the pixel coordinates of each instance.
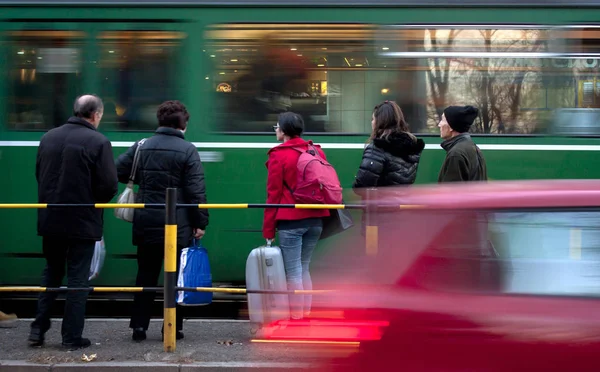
(170, 278)
(371, 230)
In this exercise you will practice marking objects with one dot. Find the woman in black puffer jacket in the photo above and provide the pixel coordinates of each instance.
(393, 154)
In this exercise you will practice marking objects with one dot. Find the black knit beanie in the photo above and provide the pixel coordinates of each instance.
(460, 118)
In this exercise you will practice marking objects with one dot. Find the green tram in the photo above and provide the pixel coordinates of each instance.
(532, 67)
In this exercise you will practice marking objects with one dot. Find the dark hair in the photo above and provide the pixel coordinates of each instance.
(389, 119)
(172, 114)
(291, 124)
(85, 106)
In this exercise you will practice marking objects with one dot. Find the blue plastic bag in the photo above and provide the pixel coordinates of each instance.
(194, 272)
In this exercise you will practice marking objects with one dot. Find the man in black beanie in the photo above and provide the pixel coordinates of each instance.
(464, 161)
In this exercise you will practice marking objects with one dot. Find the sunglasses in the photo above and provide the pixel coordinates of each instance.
(275, 127)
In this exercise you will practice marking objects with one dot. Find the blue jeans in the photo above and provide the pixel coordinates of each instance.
(297, 246)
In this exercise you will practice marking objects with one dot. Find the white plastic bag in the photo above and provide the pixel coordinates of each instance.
(127, 197)
(98, 259)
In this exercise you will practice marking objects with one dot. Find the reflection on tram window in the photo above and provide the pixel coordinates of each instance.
(44, 78)
(498, 70)
(137, 73)
(519, 78)
(580, 115)
(320, 71)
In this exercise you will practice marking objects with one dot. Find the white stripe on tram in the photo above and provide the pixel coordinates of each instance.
(358, 146)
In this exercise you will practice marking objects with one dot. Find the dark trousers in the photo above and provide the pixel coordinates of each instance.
(150, 263)
(77, 254)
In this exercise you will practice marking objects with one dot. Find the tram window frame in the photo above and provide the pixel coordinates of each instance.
(43, 40)
(105, 41)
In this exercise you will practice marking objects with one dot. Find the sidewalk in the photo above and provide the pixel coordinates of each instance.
(208, 345)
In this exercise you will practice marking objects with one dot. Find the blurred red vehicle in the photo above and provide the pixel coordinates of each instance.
(503, 276)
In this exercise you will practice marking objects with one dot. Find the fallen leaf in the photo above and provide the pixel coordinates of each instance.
(86, 358)
(228, 343)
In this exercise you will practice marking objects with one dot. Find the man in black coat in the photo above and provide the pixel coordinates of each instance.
(464, 161)
(74, 166)
(165, 160)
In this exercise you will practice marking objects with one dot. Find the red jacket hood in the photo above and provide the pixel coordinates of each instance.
(294, 142)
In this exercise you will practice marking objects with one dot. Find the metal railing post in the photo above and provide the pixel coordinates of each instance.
(170, 277)
(371, 230)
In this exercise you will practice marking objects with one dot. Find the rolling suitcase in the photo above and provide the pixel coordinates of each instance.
(265, 271)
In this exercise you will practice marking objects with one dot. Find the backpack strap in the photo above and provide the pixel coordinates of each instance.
(310, 146)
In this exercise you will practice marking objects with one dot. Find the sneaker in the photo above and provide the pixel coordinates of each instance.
(8, 320)
(78, 344)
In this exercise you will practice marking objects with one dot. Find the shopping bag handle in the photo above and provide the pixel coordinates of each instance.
(197, 243)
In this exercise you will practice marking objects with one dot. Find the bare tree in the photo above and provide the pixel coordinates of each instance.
(439, 72)
(495, 86)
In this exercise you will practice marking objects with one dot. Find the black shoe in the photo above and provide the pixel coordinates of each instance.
(78, 344)
(139, 334)
(36, 337)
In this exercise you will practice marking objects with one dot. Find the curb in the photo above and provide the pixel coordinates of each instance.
(24, 366)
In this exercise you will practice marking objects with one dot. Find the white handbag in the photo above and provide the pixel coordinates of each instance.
(128, 195)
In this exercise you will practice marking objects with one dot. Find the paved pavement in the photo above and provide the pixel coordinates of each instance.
(207, 345)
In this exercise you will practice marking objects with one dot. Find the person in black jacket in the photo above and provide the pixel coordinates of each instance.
(74, 165)
(165, 160)
(392, 156)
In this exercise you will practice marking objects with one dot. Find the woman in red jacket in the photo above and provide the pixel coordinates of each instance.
(299, 229)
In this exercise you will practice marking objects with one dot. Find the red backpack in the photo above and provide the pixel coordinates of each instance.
(317, 182)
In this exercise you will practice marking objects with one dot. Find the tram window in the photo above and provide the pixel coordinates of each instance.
(44, 78)
(323, 72)
(511, 74)
(577, 96)
(335, 74)
(499, 69)
(137, 73)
